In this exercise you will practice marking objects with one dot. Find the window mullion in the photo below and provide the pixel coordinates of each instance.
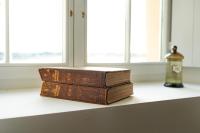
(64, 35)
(70, 32)
(128, 32)
(166, 27)
(7, 57)
(79, 33)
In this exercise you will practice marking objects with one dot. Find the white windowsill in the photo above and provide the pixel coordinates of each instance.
(27, 102)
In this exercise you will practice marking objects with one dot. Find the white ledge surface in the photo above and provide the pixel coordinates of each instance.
(28, 102)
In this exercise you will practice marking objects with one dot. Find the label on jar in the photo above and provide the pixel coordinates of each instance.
(176, 66)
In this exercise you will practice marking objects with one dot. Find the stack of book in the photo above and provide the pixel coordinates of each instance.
(94, 85)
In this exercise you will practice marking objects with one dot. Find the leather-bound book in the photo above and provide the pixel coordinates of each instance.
(87, 94)
(87, 76)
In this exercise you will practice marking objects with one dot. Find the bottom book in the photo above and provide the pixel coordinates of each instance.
(87, 94)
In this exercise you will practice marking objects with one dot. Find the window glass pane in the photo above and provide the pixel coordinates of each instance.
(2, 31)
(106, 31)
(36, 31)
(145, 30)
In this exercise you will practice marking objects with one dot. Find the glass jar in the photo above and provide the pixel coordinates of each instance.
(174, 71)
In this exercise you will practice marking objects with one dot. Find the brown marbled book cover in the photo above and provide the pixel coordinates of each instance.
(87, 76)
(87, 94)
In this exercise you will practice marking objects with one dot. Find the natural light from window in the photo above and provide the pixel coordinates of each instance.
(2, 31)
(110, 41)
(145, 30)
(36, 31)
(106, 31)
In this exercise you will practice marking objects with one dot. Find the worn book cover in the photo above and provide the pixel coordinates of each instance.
(87, 76)
(87, 94)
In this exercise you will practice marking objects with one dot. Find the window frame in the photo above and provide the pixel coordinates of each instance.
(23, 75)
(81, 58)
(26, 75)
(76, 36)
(68, 23)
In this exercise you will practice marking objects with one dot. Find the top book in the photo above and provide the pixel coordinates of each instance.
(86, 76)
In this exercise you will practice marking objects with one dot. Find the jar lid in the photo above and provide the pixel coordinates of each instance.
(174, 55)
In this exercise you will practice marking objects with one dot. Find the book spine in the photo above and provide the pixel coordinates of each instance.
(83, 78)
(74, 92)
